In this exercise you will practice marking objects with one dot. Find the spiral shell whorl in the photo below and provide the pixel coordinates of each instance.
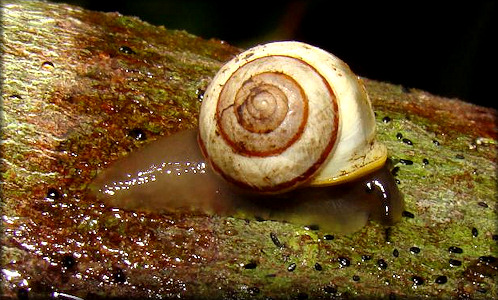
(262, 114)
(269, 119)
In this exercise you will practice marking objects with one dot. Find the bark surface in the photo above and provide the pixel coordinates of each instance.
(80, 89)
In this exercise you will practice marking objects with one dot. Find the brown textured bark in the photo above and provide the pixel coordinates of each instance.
(81, 89)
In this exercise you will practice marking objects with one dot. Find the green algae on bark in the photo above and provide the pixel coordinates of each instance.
(76, 87)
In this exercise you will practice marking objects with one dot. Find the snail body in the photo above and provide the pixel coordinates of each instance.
(291, 131)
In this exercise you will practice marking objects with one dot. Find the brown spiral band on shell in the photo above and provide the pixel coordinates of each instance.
(269, 123)
(266, 114)
(277, 188)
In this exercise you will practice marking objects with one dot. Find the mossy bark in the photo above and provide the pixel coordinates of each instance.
(81, 89)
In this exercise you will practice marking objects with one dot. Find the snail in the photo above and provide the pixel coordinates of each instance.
(286, 132)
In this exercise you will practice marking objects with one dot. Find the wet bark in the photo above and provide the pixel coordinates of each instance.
(81, 89)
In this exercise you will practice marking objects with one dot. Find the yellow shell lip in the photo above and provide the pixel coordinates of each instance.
(365, 168)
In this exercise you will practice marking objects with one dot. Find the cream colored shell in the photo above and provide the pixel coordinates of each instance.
(286, 113)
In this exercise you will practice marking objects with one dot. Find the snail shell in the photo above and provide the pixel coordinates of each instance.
(285, 113)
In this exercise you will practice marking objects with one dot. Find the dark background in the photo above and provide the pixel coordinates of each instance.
(447, 49)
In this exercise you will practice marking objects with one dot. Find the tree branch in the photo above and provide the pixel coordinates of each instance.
(81, 89)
